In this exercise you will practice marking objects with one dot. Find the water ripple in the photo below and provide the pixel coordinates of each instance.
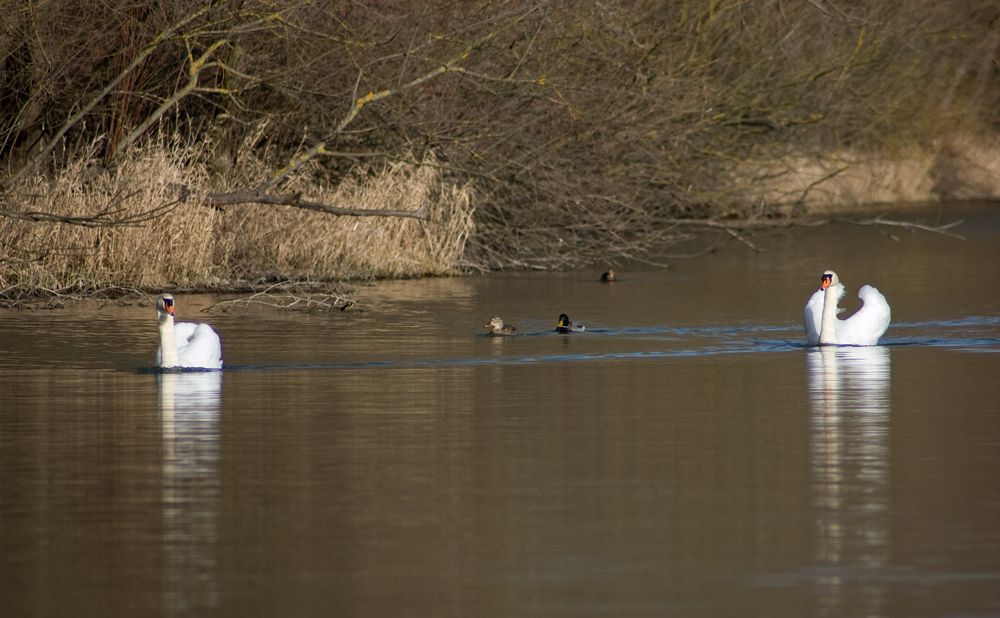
(701, 341)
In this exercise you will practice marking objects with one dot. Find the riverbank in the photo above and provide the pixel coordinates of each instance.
(528, 135)
(143, 238)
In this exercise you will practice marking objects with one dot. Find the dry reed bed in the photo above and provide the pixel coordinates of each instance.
(961, 167)
(191, 244)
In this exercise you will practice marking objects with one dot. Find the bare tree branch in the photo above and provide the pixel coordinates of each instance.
(449, 66)
(105, 218)
(75, 118)
(194, 69)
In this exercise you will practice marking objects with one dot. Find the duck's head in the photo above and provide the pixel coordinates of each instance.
(495, 323)
(564, 321)
(608, 276)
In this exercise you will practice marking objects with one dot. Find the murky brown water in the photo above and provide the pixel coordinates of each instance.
(686, 456)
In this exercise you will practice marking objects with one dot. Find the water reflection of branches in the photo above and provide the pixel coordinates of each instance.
(849, 396)
(189, 416)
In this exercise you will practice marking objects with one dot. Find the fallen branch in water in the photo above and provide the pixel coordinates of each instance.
(756, 224)
(746, 242)
(909, 225)
(285, 296)
(33, 296)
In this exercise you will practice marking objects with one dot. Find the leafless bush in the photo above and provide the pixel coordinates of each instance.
(580, 126)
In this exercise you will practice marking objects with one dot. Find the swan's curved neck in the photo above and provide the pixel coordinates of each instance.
(168, 345)
(828, 329)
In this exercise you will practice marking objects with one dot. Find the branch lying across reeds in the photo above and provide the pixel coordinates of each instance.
(106, 218)
(294, 199)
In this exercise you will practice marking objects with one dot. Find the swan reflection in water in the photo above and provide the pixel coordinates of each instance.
(849, 397)
(189, 421)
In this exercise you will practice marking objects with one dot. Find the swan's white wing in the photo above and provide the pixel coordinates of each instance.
(814, 313)
(869, 323)
(183, 331)
(197, 346)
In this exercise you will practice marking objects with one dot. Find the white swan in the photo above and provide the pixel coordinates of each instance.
(863, 328)
(185, 344)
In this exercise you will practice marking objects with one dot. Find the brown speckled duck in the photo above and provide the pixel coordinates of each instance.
(608, 277)
(497, 327)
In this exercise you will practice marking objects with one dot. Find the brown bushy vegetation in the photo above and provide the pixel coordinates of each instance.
(194, 245)
(580, 127)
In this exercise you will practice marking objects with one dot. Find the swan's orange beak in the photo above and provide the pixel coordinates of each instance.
(170, 309)
(826, 282)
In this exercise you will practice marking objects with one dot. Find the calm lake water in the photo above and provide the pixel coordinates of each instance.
(688, 455)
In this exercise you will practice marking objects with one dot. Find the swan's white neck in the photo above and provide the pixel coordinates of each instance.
(168, 345)
(828, 329)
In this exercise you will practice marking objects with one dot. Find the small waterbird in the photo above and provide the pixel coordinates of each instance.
(497, 327)
(565, 326)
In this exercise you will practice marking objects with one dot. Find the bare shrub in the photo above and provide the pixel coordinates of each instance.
(580, 126)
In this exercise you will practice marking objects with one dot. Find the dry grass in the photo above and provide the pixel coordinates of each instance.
(194, 245)
(962, 167)
(303, 244)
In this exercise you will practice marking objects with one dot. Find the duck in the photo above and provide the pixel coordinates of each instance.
(185, 344)
(565, 326)
(865, 327)
(608, 277)
(497, 327)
